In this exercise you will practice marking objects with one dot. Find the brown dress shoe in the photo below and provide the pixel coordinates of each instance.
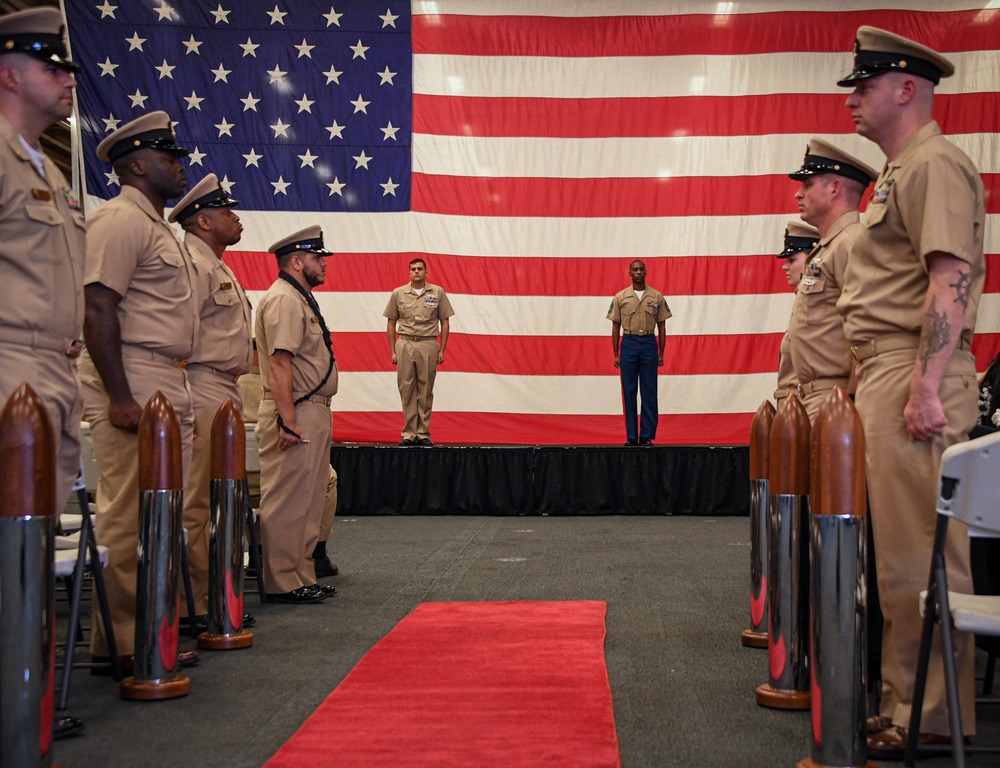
(891, 743)
(877, 724)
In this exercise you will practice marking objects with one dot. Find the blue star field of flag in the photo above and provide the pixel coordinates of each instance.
(295, 105)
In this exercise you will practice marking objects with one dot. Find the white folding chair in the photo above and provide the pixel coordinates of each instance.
(969, 491)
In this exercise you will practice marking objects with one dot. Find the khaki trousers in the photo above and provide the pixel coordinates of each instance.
(292, 492)
(329, 507)
(208, 393)
(52, 376)
(117, 454)
(416, 368)
(902, 489)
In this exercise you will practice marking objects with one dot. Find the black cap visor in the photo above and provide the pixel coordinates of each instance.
(874, 63)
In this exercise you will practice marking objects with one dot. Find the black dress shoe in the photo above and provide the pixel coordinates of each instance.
(425, 441)
(64, 727)
(188, 659)
(325, 568)
(298, 596)
(248, 620)
(407, 442)
(629, 442)
(645, 441)
(327, 590)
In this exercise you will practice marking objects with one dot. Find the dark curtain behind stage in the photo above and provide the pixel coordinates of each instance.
(542, 480)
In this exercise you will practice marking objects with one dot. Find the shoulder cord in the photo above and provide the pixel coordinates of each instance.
(314, 306)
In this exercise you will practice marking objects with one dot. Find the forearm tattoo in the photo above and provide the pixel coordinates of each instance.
(962, 287)
(935, 335)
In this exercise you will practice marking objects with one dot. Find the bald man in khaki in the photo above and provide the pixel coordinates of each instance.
(832, 183)
(221, 354)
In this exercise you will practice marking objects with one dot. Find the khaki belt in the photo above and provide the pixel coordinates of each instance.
(819, 385)
(409, 337)
(209, 369)
(780, 393)
(892, 342)
(638, 333)
(42, 340)
(151, 354)
(312, 398)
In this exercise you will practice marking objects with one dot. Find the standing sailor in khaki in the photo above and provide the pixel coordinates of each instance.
(42, 241)
(799, 240)
(140, 329)
(832, 185)
(910, 298)
(221, 354)
(42, 233)
(414, 312)
(293, 430)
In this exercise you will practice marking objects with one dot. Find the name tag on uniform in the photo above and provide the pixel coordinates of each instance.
(41, 194)
(227, 286)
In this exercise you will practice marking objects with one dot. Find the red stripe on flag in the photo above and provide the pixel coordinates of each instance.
(570, 355)
(755, 115)
(535, 276)
(589, 198)
(715, 34)
(522, 429)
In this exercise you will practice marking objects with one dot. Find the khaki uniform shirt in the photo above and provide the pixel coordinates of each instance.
(929, 198)
(225, 340)
(43, 244)
(252, 389)
(819, 348)
(133, 251)
(635, 315)
(418, 315)
(285, 321)
(786, 371)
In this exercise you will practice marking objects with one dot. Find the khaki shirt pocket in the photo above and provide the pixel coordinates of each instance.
(42, 213)
(171, 257)
(225, 298)
(874, 215)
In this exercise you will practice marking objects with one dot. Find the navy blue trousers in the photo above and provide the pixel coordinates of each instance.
(637, 358)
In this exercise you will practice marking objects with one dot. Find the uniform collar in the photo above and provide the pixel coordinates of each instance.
(851, 217)
(13, 138)
(922, 134)
(137, 198)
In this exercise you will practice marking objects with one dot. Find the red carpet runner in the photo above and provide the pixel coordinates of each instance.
(514, 684)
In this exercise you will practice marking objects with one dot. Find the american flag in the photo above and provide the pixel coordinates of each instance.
(529, 151)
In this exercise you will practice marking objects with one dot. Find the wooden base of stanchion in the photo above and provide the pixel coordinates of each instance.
(810, 763)
(155, 690)
(241, 639)
(776, 698)
(752, 639)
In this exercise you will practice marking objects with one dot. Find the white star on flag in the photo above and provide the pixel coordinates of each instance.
(359, 50)
(332, 17)
(164, 12)
(225, 128)
(360, 105)
(113, 178)
(389, 132)
(280, 129)
(194, 101)
(192, 45)
(336, 131)
(280, 186)
(388, 20)
(110, 123)
(138, 100)
(249, 48)
(226, 184)
(308, 159)
(221, 73)
(250, 102)
(252, 158)
(196, 157)
(277, 16)
(305, 104)
(107, 9)
(220, 15)
(361, 160)
(304, 49)
(386, 76)
(336, 187)
(389, 187)
(275, 74)
(107, 68)
(165, 70)
(333, 76)
(135, 42)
